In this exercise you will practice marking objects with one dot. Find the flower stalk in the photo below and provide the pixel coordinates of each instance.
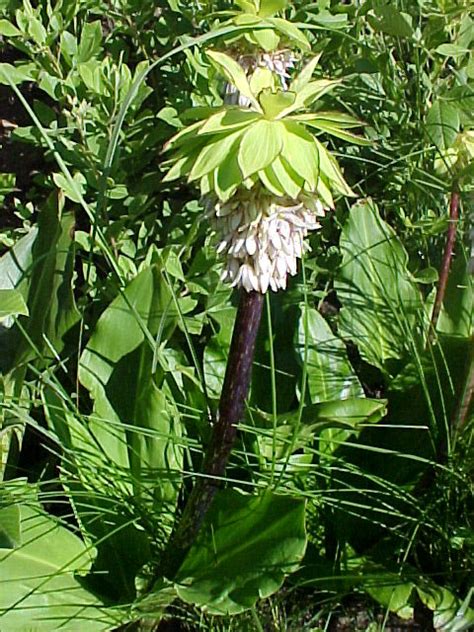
(231, 408)
(446, 263)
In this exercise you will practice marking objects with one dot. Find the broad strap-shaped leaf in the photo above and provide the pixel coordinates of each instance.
(338, 132)
(40, 589)
(330, 374)
(243, 551)
(442, 124)
(183, 136)
(285, 177)
(341, 119)
(380, 300)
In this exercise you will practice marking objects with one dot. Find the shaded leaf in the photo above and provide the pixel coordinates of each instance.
(380, 301)
(330, 374)
(243, 551)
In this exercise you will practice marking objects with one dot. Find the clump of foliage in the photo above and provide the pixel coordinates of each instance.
(352, 472)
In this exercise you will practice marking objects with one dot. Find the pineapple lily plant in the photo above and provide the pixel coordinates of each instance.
(266, 179)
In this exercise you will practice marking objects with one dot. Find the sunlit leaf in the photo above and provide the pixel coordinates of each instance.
(260, 145)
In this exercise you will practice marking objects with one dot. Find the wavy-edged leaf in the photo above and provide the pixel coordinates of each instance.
(270, 7)
(380, 300)
(244, 550)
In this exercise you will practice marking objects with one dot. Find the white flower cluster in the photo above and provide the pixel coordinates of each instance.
(278, 62)
(263, 236)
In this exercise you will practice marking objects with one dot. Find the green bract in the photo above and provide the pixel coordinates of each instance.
(268, 142)
(264, 29)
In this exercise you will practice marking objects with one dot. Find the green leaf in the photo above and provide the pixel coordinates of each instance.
(291, 32)
(234, 73)
(16, 74)
(216, 351)
(273, 103)
(299, 150)
(262, 79)
(394, 22)
(36, 30)
(7, 183)
(7, 29)
(457, 313)
(247, 5)
(68, 46)
(12, 303)
(270, 7)
(135, 427)
(304, 76)
(227, 177)
(260, 145)
(310, 93)
(442, 124)
(330, 374)
(285, 176)
(90, 42)
(450, 614)
(380, 300)
(40, 589)
(73, 190)
(265, 38)
(228, 120)
(213, 154)
(10, 531)
(41, 269)
(452, 50)
(116, 370)
(392, 593)
(244, 550)
(330, 169)
(335, 130)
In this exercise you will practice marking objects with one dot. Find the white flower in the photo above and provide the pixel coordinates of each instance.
(262, 236)
(278, 62)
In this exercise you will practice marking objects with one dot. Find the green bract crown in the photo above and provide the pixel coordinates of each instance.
(268, 142)
(264, 29)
